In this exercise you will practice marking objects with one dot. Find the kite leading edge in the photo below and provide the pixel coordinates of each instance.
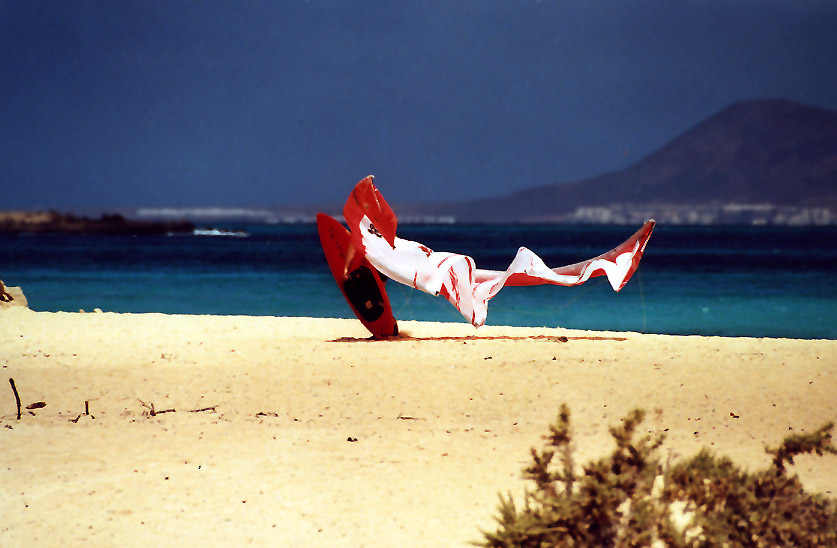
(454, 276)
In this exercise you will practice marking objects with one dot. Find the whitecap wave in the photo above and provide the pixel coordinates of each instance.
(220, 232)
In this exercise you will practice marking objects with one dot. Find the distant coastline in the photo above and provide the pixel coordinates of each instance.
(726, 214)
(41, 222)
(187, 220)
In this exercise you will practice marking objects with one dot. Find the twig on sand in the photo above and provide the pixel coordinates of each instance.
(17, 396)
(153, 412)
(268, 414)
(85, 414)
(161, 411)
(201, 410)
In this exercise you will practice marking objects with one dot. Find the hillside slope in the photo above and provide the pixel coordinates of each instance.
(754, 152)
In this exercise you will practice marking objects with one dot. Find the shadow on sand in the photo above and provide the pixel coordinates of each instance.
(476, 338)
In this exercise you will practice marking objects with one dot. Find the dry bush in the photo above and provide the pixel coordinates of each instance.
(630, 498)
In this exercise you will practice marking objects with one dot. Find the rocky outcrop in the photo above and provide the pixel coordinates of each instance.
(40, 222)
(12, 297)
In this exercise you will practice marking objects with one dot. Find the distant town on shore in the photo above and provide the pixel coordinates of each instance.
(618, 214)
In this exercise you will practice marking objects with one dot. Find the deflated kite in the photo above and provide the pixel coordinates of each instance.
(373, 242)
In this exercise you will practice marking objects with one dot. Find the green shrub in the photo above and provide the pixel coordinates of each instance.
(631, 498)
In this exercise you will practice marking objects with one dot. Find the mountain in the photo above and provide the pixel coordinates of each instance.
(765, 158)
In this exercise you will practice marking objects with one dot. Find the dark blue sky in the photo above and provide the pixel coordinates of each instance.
(246, 103)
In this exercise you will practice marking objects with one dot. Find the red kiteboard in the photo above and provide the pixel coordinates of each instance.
(363, 288)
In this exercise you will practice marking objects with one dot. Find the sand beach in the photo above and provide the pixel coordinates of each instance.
(269, 431)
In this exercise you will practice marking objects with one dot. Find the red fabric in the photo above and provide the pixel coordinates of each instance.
(634, 245)
(366, 200)
(455, 276)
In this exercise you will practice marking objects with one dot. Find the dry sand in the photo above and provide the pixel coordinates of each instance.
(443, 422)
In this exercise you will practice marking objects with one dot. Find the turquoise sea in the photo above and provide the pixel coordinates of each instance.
(729, 281)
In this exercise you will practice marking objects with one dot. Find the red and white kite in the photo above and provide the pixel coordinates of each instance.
(456, 277)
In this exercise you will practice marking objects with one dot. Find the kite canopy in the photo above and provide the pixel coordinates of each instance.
(456, 277)
(366, 200)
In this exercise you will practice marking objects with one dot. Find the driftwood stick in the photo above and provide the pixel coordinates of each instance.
(201, 410)
(153, 412)
(17, 396)
(151, 407)
(269, 414)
